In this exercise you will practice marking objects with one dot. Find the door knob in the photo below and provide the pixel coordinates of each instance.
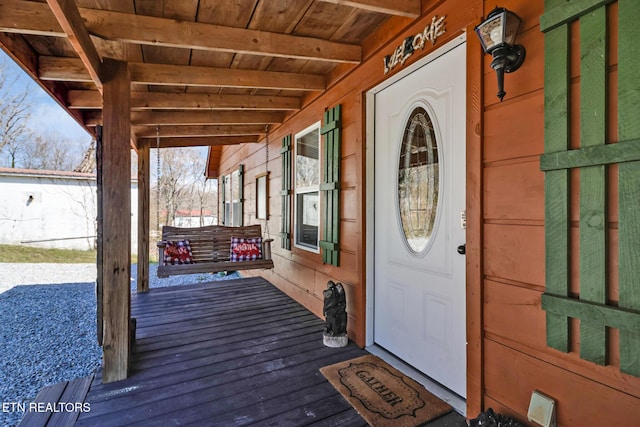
(462, 249)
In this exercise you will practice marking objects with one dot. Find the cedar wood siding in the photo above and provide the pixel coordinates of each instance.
(507, 353)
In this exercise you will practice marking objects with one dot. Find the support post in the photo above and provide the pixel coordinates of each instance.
(116, 179)
(144, 186)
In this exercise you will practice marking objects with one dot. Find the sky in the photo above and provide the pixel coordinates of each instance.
(47, 115)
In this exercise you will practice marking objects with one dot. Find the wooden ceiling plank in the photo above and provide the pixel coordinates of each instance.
(198, 130)
(27, 17)
(408, 8)
(86, 99)
(151, 118)
(68, 16)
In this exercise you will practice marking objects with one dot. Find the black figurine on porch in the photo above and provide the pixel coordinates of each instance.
(335, 313)
(492, 419)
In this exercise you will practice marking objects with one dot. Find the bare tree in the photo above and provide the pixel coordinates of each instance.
(52, 152)
(182, 184)
(201, 189)
(14, 114)
(20, 145)
(171, 182)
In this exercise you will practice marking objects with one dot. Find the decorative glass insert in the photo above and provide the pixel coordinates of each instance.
(418, 180)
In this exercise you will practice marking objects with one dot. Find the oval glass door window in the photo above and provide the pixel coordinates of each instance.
(418, 180)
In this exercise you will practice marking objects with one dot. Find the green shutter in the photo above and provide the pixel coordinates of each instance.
(285, 230)
(221, 208)
(629, 179)
(591, 307)
(241, 194)
(330, 187)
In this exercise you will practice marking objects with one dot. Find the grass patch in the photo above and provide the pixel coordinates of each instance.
(26, 254)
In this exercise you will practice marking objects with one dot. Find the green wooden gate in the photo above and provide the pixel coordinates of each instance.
(596, 309)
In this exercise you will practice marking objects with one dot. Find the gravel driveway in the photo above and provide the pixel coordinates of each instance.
(47, 327)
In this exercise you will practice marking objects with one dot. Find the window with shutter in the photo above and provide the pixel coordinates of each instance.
(596, 305)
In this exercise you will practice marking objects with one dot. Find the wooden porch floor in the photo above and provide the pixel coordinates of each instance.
(226, 353)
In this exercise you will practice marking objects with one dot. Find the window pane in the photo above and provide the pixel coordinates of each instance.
(227, 188)
(308, 159)
(307, 220)
(235, 185)
(227, 213)
(236, 214)
(261, 197)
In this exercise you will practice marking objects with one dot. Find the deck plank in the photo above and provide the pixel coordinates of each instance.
(234, 352)
(221, 352)
(74, 393)
(49, 394)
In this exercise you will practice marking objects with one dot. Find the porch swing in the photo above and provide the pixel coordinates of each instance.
(212, 248)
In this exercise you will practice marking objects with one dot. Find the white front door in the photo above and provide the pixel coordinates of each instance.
(419, 276)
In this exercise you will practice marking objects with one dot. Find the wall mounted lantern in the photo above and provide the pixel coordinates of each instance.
(498, 34)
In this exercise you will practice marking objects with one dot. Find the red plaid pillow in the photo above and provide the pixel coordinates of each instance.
(243, 249)
(177, 253)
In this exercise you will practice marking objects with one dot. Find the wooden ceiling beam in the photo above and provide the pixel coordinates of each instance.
(54, 68)
(150, 30)
(198, 130)
(36, 18)
(408, 8)
(202, 141)
(91, 100)
(151, 118)
(160, 74)
(72, 69)
(68, 16)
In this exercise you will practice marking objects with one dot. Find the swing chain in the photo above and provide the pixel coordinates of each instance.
(158, 172)
(266, 167)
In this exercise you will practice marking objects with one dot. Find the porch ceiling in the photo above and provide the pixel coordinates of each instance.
(204, 72)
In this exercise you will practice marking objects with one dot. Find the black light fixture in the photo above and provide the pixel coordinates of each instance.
(498, 34)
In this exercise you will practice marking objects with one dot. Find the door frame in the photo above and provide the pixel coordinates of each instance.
(474, 102)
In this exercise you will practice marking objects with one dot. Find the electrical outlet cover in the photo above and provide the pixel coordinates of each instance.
(542, 410)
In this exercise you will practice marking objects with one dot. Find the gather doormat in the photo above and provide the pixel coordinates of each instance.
(382, 395)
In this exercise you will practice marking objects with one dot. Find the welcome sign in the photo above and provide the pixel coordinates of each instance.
(431, 32)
